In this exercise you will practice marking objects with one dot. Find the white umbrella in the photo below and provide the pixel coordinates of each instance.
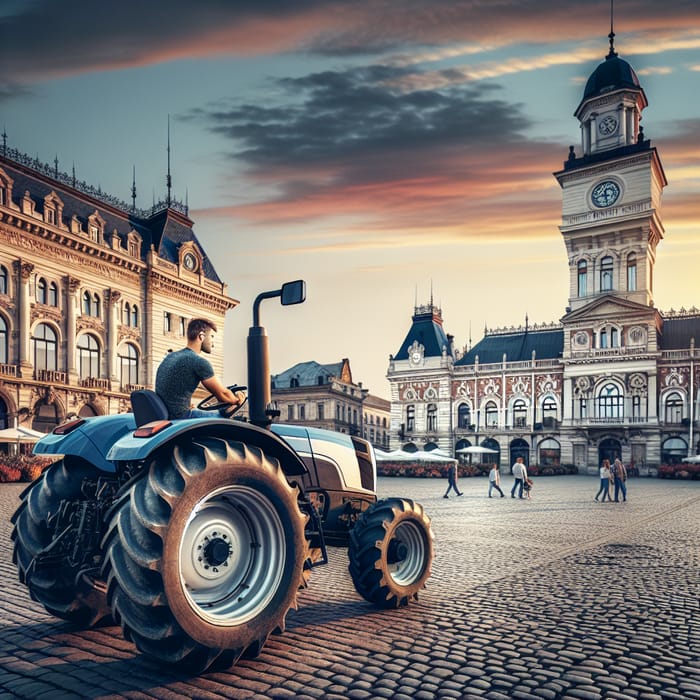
(476, 449)
(20, 435)
(693, 459)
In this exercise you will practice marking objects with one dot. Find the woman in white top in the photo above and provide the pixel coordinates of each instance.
(604, 481)
(495, 480)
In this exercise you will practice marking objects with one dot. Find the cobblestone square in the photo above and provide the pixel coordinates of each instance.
(558, 597)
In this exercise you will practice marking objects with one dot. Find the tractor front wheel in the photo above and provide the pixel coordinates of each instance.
(391, 552)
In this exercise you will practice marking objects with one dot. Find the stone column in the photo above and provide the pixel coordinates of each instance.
(24, 271)
(113, 332)
(72, 302)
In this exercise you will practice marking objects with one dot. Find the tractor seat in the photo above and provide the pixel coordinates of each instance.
(147, 407)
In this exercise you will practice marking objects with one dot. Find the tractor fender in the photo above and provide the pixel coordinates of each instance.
(90, 440)
(132, 448)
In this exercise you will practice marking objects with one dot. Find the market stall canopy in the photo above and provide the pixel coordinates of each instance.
(418, 456)
(476, 449)
(20, 434)
(693, 459)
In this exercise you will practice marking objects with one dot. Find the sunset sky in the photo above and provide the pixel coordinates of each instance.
(377, 149)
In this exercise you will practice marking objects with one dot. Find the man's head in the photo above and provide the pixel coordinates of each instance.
(519, 460)
(201, 331)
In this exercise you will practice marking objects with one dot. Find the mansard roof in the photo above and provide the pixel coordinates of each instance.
(427, 331)
(165, 230)
(517, 346)
(312, 373)
(679, 330)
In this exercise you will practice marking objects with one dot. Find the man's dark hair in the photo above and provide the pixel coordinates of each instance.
(199, 325)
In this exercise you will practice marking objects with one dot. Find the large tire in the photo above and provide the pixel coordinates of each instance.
(391, 552)
(81, 602)
(205, 557)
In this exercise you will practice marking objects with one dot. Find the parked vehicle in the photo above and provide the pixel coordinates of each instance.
(196, 535)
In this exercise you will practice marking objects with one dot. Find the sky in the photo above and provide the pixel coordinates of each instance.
(386, 152)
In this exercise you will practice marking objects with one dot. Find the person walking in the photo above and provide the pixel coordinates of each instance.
(495, 480)
(604, 481)
(520, 474)
(620, 477)
(452, 481)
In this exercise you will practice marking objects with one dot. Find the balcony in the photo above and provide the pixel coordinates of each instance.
(95, 383)
(51, 376)
(8, 370)
(620, 420)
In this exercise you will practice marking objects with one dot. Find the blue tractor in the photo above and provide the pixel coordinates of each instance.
(196, 535)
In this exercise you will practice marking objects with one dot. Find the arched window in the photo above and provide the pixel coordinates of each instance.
(410, 418)
(582, 278)
(519, 413)
(41, 291)
(610, 402)
(550, 453)
(128, 365)
(491, 414)
(88, 357)
(673, 450)
(674, 408)
(3, 280)
(135, 316)
(3, 341)
(53, 294)
(293, 383)
(45, 348)
(464, 416)
(549, 412)
(432, 417)
(3, 415)
(631, 272)
(87, 304)
(126, 314)
(96, 301)
(606, 274)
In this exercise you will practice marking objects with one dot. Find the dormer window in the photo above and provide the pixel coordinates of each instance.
(94, 232)
(96, 227)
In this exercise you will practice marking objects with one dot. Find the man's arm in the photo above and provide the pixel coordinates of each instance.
(223, 393)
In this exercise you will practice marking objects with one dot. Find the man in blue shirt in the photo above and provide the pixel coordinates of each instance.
(182, 371)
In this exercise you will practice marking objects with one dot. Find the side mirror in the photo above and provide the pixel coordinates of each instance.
(293, 292)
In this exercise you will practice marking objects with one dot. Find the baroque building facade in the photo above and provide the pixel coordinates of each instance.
(614, 376)
(93, 294)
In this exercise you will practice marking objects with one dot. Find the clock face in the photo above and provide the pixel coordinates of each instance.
(416, 357)
(189, 261)
(581, 339)
(607, 125)
(605, 194)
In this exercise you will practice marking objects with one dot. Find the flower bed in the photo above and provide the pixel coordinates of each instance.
(679, 471)
(424, 470)
(22, 467)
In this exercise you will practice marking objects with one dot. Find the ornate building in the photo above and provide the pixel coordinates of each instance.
(93, 293)
(615, 376)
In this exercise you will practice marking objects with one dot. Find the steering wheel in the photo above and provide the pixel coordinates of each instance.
(212, 403)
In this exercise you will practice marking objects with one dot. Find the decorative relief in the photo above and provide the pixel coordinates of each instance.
(519, 386)
(490, 387)
(637, 384)
(418, 391)
(90, 323)
(674, 376)
(43, 312)
(582, 386)
(547, 383)
(461, 390)
(637, 335)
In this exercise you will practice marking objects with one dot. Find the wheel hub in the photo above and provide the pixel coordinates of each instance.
(217, 551)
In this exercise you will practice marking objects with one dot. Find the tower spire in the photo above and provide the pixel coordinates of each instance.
(133, 189)
(168, 178)
(611, 36)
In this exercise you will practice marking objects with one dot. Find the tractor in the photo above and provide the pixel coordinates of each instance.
(196, 535)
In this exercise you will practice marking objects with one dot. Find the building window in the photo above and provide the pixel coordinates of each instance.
(3, 341)
(3, 280)
(294, 383)
(464, 416)
(582, 278)
(167, 323)
(674, 408)
(550, 453)
(603, 337)
(491, 411)
(632, 272)
(41, 291)
(45, 348)
(88, 356)
(610, 402)
(410, 418)
(606, 274)
(636, 408)
(519, 413)
(53, 294)
(183, 326)
(126, 314)
(91, 304)
(135, 316)
(583, 408)
(3, 195)
(320, 410)
(673, 450)
(128, 365)
(302, 412)
(549, 412)
(290, 411)
(320, 380)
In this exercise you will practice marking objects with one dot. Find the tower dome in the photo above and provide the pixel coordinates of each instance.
(613, 74)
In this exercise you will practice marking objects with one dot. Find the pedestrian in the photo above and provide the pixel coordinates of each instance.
(520, 473)
(452, 480)
(604, 481)
(527, 487)
(495, 480)
(620, 477)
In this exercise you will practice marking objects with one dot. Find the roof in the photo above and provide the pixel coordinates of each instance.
(517, 346)
(614, 73)
(311, 373)
(679, 330)
(427, 331)
(166, 229)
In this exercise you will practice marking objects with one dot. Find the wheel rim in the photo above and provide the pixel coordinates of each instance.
(232, 555)
(408, 539)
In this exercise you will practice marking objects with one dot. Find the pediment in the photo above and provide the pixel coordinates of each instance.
(609, 306)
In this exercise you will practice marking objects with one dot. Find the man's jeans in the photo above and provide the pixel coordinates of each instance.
(518, 483)
(620, 486)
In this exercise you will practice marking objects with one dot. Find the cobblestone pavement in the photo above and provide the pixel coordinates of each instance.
(558, 597)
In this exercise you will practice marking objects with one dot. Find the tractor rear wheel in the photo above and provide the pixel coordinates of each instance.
(205, 557)
(55, 586)
(391, 552)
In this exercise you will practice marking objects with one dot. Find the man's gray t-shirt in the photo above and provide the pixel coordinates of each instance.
(178, 376)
